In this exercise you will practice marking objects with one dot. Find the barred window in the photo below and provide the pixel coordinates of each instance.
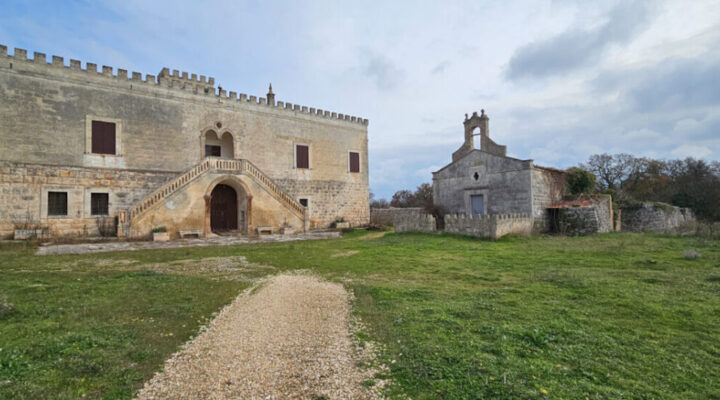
(99, 204)
(57, 203)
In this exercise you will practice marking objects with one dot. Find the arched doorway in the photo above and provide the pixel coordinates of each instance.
(223, 209)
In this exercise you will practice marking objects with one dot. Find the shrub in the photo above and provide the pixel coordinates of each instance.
(159, 229)
(579, 180)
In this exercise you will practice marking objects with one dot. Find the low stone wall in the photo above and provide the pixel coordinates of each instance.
(414, 222)
(384, 216)
(657, 217)
(489, 226)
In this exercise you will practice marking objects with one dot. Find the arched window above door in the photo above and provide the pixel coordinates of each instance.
(218, 146)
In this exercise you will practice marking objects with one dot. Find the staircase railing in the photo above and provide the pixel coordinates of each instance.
(237, 166)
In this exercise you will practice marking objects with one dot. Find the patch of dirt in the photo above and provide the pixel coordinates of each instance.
(217, 268)
(375, 235)
(290, 339)
(345, 254)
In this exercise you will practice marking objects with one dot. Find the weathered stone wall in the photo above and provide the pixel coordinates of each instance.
(24, 188)
(384, 216)
(604, 212)
(656, 217)
(584, 216)
(45, 110)
(489, 226)
(579, 221)
(414, 222)
(342, 195)
(548, 187)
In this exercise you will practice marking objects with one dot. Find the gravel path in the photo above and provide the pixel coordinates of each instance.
(288, 340)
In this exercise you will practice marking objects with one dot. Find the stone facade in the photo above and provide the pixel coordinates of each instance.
(657, 217)
(162, 126)
(504, 185)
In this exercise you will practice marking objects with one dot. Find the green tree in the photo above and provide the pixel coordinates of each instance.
(580, 181)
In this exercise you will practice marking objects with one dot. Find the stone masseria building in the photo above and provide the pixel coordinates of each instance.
(82, 147)
(483, 180)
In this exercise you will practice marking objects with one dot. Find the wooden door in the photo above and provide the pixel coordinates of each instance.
(223, 208)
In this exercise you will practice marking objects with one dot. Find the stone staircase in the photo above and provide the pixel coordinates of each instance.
(237, 166)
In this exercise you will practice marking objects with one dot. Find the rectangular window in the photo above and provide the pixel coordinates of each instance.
(354, 162)
(57, 203)
(302, 156)
(103, 137)
(304, 202)
(99, 204)
(212, 150)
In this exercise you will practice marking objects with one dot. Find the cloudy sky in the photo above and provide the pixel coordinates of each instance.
(560, 80)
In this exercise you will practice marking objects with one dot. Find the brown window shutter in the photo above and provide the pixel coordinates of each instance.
(354, 162)
(303, 156)
(103, 137)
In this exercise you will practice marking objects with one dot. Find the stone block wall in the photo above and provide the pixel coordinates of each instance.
(489, 226)
(548, 187)
(414, 222)
(24, 188)
(330, 200)
(657, 217)
(578, 221)
(384, 216)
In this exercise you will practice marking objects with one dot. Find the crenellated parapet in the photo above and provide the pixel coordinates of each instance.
(175, 80)
(182, 79)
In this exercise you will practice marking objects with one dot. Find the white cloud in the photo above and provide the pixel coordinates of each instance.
(691, 150)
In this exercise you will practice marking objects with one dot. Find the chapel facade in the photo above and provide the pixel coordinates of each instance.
(82, 148)
(483, 180)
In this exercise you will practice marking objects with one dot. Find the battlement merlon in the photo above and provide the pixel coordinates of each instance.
(175, 80)
(202, 81)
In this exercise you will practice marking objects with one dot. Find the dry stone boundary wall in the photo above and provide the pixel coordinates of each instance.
(658, 218)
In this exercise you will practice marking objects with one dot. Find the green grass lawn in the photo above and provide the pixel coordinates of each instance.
(609, 316)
